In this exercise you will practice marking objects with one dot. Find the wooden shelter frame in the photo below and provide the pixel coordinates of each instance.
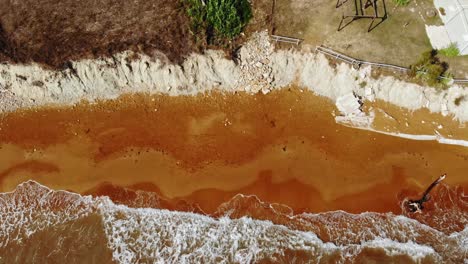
(360, 8)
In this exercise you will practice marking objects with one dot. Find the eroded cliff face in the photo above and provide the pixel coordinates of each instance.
(257, 68)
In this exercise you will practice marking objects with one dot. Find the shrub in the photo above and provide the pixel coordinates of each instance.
(431, 70)
(426, 58)
(432, 74)
(402, 2)
(446, 79)
(450, 51)
(228, 17)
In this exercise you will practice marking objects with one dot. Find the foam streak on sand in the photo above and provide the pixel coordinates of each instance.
(437, 137)
(152, 235)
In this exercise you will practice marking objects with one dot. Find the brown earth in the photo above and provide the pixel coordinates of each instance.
(53, 32)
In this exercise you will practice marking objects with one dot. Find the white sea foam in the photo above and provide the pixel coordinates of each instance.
(186, 238)
(392, 248)
(161, 236)
(437, 137)
(31, 208)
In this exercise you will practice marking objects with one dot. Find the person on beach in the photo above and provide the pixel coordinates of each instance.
(416, 206)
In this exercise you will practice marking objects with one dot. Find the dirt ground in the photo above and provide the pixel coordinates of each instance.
(399, 40)
(53, 32)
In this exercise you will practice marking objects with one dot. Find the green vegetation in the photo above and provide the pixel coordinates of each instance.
(363, 84)
(219, 20)
(197, 12)
(228, 17)
(450, 51)
(431, 70)
(401, 2)
(446, 79)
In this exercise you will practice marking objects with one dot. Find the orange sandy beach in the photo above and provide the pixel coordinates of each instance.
(283, 147)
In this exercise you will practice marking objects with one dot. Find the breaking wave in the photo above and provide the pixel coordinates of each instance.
(42, 225)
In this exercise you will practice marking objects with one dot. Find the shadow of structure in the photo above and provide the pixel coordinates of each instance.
(376, 10)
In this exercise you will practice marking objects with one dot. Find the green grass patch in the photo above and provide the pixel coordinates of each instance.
(228, 17)
(197, 12)
(401, 2)
(450, 51)
(218, 20)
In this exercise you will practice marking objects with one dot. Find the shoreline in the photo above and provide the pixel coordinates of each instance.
(321, 235)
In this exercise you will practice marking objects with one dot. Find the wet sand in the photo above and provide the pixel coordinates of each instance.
(393, 119)
(284, 147)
